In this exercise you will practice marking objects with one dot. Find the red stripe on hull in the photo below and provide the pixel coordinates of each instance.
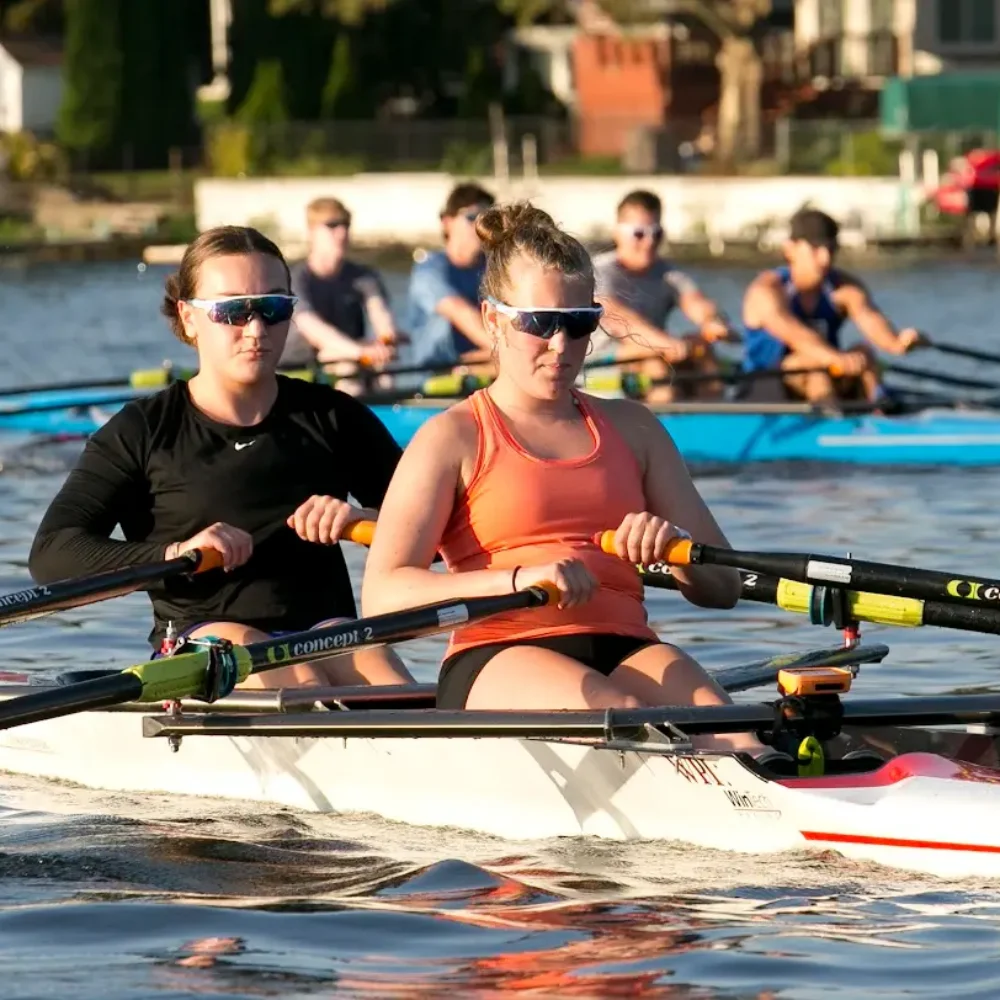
(922, 845)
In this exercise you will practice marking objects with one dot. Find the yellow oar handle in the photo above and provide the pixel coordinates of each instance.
(678, 551)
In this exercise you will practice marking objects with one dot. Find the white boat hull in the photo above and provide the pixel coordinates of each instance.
(920, 811)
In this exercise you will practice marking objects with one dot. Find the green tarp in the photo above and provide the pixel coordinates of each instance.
(945, 102)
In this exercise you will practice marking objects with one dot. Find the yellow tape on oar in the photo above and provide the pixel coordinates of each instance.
(453, 385)
(881, 609)
(631, 383)
(175, 677)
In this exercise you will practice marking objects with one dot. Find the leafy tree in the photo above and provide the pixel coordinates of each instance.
(266, 102)
(342, 96)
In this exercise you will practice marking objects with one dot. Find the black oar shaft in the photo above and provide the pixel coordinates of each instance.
(967, 352)
(54, 702)
(764, 589)
(397, 626)
(883, 578)
(187, 675)
(45, 599)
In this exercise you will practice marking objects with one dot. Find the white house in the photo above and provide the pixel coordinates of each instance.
(31, 85)
(879, 38)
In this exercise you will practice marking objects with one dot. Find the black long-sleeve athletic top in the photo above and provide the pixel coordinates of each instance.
(163, 470)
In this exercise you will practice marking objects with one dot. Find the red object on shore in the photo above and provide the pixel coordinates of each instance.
(972, 184)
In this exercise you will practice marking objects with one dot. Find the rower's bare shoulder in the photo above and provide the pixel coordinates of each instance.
(450, 434)
(636, 423)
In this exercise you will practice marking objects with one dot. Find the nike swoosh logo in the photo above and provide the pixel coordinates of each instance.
(240, 445)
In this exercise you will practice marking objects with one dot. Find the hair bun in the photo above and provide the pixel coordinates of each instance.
(501, 223)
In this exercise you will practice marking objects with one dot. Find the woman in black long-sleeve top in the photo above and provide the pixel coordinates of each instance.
(239, 459)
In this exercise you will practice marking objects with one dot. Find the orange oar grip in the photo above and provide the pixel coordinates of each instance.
(836, 371)
(360, 532)
(678, 549)
(606, 541)
(208, 559)
(678, 552)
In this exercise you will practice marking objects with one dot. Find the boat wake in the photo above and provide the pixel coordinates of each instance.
(150, 893)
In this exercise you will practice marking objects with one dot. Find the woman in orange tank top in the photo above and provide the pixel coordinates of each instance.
(511, 487)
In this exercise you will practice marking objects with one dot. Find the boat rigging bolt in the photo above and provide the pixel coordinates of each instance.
(175, 710)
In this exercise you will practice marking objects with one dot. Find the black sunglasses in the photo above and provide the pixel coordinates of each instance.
(546, 323)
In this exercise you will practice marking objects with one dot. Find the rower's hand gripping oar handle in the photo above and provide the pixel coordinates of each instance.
(359, 532)
(203, 560)
(678, 552)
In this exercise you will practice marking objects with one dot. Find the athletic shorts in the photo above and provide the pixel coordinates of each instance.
(600, 651)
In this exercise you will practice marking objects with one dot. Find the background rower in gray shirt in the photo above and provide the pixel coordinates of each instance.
(335, 297)
(639, 290)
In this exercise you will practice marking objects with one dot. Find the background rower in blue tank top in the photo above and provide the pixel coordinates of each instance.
(793, 317)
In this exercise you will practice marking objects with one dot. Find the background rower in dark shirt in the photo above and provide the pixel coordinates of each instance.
(335, 296)
(256, 466)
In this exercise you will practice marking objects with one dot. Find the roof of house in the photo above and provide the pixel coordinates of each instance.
(34, 51)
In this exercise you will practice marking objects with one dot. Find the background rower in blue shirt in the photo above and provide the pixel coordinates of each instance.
(793, 316)
(444, 321)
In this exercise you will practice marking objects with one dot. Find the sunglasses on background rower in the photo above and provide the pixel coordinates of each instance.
(654, 232)
(239, 310)
(545, 323)
(337, 223)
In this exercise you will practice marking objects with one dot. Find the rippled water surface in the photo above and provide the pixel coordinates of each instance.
(107, 895)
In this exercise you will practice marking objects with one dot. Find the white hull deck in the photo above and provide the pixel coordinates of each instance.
(920, 811)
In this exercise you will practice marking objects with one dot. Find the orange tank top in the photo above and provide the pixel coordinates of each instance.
(519, 509)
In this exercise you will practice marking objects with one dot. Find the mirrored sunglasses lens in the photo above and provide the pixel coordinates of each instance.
(239, 312)
(537, 324)
(275, 310)
(235, 312)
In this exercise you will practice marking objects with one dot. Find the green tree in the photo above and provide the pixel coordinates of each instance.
(266, 102)
(89, 120)
(342, 95)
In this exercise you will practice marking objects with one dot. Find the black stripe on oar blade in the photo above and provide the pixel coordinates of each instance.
(33, 602)
(613, 723)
